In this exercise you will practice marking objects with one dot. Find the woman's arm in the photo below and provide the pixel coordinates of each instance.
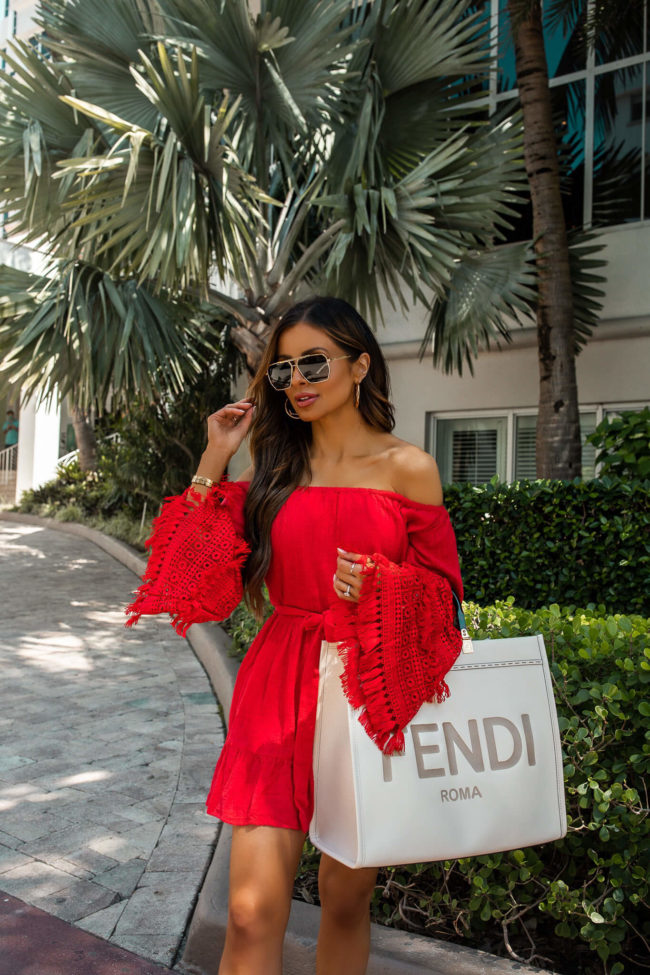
(414, 474)
(197, 546)
(226, 430)
(397, 630)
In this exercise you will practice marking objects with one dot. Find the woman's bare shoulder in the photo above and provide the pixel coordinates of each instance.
(415, 474)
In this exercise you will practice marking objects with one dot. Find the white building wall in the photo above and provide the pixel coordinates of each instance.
(16, 19)
(627, 252)
(612, 370)
(38, 445)
(609, 373)
(39, 437)
(23, 258)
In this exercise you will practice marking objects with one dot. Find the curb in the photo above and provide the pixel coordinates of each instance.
(393, 952)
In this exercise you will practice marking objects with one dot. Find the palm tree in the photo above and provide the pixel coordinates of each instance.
(161, 149)
(558, 447)
(317, 144)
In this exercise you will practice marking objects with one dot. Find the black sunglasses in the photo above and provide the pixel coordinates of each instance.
(315, 368)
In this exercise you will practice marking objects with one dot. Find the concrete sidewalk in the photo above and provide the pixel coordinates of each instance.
(109, 738)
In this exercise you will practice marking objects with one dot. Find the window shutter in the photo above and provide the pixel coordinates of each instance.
(474, 455)
(587, 426)
(525, 452)
(525, 449)
(472, 449)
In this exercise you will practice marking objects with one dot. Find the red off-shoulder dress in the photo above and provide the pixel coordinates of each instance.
(264, 773)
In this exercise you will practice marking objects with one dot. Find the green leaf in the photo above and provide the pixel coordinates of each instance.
(79, 332)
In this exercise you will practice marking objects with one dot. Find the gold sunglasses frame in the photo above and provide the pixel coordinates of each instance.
(294, 365)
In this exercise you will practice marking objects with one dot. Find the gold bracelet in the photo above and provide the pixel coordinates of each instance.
(206, 481)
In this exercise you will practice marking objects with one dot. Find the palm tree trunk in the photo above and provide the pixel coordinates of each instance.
(558, 425)
(251, 343)
(85, 437)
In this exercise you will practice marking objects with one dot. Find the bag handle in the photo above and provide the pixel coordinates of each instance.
(468, 646)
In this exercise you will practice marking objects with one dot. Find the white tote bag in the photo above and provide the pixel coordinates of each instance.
(481, 772)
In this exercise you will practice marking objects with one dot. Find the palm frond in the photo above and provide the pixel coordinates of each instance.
(564, 13)
(493, 291)
(37, 131)
(417, 40)
(95, 49)
(407, 237)
(412, 80)
(616, 190)
(613, 28)
(487, 290)
(287, 66)
(78, 331)
(175, 128)
(162, 207)
(16, 291)
(586, 281)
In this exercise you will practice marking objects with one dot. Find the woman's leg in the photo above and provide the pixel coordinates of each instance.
(263, 864)
(344, 938)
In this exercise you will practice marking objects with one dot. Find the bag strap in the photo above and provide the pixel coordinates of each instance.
(468, 646)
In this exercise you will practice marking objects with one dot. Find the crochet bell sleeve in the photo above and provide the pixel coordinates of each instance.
(197, 549)
(400, 640)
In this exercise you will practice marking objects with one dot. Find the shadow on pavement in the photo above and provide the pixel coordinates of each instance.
(37, 943)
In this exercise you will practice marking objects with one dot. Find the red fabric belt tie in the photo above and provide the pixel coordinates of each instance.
(311, 620)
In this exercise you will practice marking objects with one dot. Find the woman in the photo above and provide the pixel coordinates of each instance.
(332, 498)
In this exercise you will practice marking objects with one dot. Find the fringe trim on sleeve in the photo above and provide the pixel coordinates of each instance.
(195, 562)
(396, 644)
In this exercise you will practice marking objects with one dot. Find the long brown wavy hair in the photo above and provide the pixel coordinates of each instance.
(280, 445)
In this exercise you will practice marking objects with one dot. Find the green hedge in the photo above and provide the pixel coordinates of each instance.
(84, 491)
(580, 903)
(622, 443)
(568, 542)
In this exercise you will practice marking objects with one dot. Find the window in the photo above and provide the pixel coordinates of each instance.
(525, 451)
(471, 450)
(602, 106)
(475, 449)
(618, 145)
(646, 146)
(588, 423)
(525, 454)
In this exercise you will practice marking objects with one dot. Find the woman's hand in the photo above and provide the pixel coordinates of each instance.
(348, 570)
(229, 425)
(226, 430)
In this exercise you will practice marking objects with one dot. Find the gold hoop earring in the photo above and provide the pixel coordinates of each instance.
(294, 416)
(357, 395)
